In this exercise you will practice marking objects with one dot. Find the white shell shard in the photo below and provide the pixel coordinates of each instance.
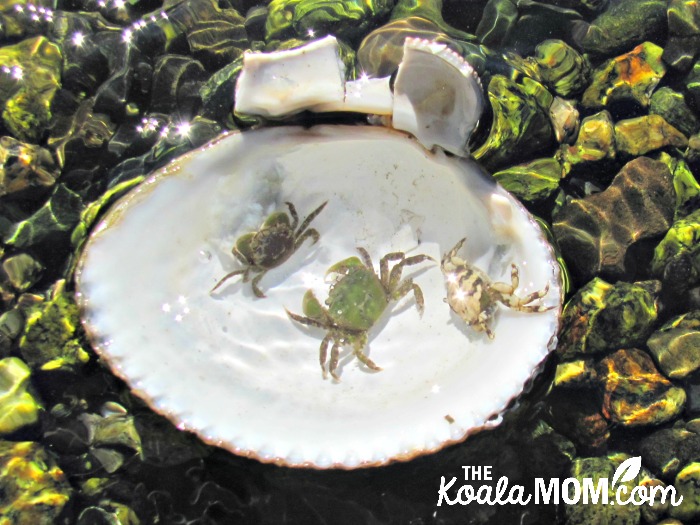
(236, 370)
(364, 95)
(438, 97)
(286, 82)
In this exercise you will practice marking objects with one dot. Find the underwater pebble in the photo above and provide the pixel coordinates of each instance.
(640, 135)
(24, 166)
(603, 316)
(629, 77)
(675, 345)
(521, 125)
(596, 468)
(18, 405)
(596, 232)
(34, 490)
(625, 23)
(635, 393)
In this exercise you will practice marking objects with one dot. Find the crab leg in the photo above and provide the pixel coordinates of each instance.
(395, 275)
(324, 354)
(294, 214)
(366, 259)
(306, 320)
(508, 289)
(310, 218)
(404, 288)
(335, 355)
(313, 233)
(384, 266)
(229, 275)
(257, 291)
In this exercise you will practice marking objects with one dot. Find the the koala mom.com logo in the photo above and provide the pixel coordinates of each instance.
(556, 490)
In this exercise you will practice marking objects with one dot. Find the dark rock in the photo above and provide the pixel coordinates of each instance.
(596, 232)
(171, 79)
(672, 107)
(24, 167)
(675, 345)
(625, 23)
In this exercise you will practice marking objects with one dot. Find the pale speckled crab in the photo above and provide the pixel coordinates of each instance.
(474, 297)
(356, 301)
(275, 242)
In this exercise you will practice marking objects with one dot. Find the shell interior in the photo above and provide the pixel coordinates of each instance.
(235, 369)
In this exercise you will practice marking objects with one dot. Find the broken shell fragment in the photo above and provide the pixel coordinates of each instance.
(437, 96)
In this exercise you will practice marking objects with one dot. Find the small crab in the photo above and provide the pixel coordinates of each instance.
(474, 297)
(356, 300)
(275, 242)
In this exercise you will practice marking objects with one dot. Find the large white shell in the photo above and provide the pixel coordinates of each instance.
(236, 370)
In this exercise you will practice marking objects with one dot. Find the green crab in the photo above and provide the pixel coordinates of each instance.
(474, 297)
(275, 242)
(356, 300)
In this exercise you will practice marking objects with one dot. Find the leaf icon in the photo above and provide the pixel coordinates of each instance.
(627, 470)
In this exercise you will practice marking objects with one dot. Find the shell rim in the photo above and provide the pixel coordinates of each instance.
(112, 213)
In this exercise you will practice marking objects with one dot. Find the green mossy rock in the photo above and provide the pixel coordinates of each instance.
(33, 490)
(521, 124)
(638, 136)
(49, 339)
(27, 92)
(595, 141)
(18, 405)
(602, 316)
(533, 181)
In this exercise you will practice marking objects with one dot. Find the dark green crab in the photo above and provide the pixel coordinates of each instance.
(275, 242)
(356, 301)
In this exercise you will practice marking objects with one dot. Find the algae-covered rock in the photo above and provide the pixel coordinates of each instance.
(635, 393)
(562, 68)
(684, 33)
(625, 23)
(687, 188)
(602, 512)
(59, 215)
(667, 450)
(30, 74)
(672, 107)
(629, 77)
(22, 271)
(218, 41)
(578, 373)
(675, 345)
(596, 232)
(595, 141)
(78, 137)
(49, 338)
(603, 316)
(316, 18)
(533, 181)
(217, 103)
(638, 136)
(687, 485)
(521, 125)
(33, 490)
(680, 245)
(24, 166)
(18, 405)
